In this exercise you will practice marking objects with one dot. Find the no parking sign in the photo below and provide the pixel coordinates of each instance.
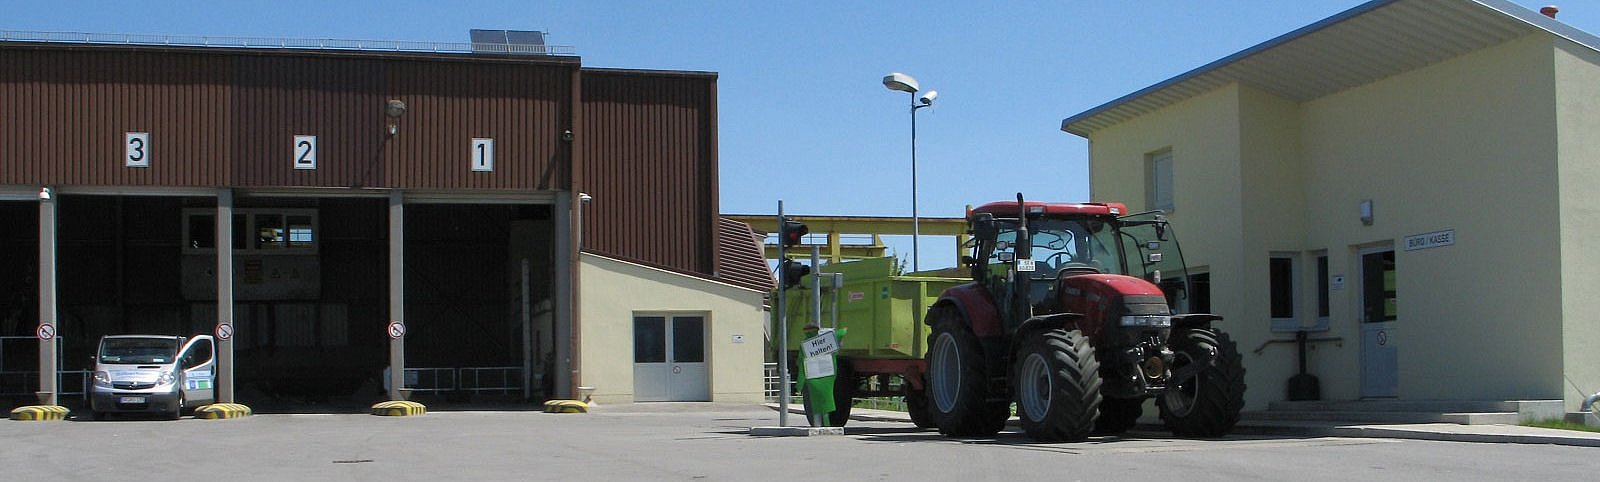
(46, 332)
(224, 331)
(396, 330)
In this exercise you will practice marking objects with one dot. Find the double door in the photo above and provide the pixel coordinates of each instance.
(669, 359)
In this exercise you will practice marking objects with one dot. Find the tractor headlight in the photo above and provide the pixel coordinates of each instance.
(1148, 321)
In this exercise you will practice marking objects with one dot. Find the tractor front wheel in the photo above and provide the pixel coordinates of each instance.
(1207, 404)
(958, 398)
(1057, 384)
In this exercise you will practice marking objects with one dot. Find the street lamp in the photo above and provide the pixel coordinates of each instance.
(905, 83)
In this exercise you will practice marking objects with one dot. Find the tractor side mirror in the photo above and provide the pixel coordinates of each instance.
(983, 226)
(1006, 256)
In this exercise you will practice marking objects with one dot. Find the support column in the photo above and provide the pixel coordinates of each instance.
(397, 296)
(48, 391)
(224, 330)
(564, 226)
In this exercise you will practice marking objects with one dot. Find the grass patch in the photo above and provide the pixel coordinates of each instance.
(1562, 425)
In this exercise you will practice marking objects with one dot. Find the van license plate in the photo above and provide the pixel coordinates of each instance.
(131, 400)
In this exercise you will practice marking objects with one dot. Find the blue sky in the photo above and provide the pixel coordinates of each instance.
(800, 98)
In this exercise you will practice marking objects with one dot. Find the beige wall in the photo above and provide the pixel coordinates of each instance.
(1203, 134)
(612, 291)
(1578, 91)
(1468, 144)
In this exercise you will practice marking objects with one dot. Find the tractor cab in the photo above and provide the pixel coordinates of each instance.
(1037, 245)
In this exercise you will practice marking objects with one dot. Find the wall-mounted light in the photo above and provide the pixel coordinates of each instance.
(394, 108)
(44, 194)
(1366, 212)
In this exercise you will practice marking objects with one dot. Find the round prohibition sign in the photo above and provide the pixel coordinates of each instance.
(396, 330)
(46, 332)
(224, 331)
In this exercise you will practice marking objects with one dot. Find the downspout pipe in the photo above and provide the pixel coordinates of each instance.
(1588, 403)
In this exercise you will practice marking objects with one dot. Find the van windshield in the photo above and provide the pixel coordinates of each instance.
(138, 350)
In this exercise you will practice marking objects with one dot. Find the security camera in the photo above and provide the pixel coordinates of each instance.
(927, 98)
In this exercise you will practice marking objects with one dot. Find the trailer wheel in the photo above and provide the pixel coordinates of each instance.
(1117, 415)
(1057, 385)
(1207, 404)
(957, 382)
(917, 408)
(844, 389)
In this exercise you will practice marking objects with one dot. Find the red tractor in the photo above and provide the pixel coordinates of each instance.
(1076, 312)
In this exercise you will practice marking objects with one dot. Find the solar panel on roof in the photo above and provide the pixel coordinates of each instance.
(526, 42)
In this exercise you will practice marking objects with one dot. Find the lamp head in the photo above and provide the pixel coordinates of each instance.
(900, 82)
(394, 108)
(927, 98)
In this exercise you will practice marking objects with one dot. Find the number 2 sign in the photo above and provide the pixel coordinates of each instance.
(305, 152)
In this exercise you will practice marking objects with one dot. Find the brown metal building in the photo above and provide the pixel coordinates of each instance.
(358, 188)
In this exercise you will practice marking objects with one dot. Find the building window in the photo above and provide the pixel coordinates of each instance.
(1281, 292)
(1158, 186)
(255, 231)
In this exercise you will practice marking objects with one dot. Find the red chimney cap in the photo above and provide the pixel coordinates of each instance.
(1550, 10)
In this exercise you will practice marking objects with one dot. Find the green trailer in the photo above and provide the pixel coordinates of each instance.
(881, 352)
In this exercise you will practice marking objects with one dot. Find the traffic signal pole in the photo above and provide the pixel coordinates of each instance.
(783, 330)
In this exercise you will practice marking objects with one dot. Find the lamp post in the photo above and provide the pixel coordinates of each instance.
(905, 83)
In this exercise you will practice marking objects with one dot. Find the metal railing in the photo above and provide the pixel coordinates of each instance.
(280, 43)
(770, 376)
(428, 379)
(25, 383)
(503, 379)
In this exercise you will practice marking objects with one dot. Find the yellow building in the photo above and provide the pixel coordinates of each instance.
(1415, 182)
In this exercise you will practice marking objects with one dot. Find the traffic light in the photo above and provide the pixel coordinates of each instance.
(790, 272)
(791, 232)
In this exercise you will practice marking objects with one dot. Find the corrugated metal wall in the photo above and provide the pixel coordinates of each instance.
(647, 155)
(228, 118)
(63, 114)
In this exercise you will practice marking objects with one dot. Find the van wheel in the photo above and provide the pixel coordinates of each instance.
(177, 412)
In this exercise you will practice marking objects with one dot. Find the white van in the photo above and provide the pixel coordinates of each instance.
(153, 373)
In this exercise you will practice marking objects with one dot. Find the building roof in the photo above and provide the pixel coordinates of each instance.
(741, 261)
(1375, 40)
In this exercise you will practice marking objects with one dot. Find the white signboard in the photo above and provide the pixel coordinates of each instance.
(822, 344)
(305, 152)
(482, 154)
(819, 366)
(1436, 239)
(138, 149)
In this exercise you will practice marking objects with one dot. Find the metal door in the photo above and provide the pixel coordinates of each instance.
(198, 361)
(669, 359)
(1379, 315)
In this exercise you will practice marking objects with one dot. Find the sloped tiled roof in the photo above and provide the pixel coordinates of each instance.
(739, 258)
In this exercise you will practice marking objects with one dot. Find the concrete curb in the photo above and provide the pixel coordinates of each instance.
(1442, 433)
(39, 413)
(219, 411)
(399, 408)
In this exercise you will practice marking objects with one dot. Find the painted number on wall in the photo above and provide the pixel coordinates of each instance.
(305, 152)
(138, 149)
(482, 154)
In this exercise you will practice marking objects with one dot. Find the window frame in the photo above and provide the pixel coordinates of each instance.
(1290, 323)
(1160, 166)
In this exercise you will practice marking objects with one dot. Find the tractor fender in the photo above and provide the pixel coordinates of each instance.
(976, 307)
(1194, 320)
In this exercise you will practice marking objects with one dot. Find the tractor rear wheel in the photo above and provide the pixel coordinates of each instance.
(957, 380)
(1057, 384)
(1207, 404)
(1117, 415)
